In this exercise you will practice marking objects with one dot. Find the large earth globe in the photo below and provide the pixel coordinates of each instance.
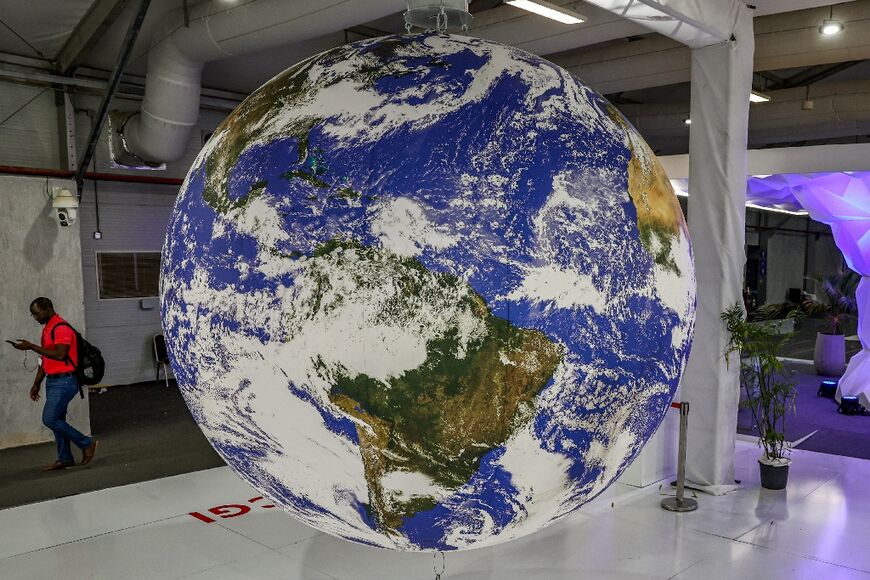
(427, 292)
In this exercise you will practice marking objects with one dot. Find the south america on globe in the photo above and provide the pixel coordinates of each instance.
(427, 292)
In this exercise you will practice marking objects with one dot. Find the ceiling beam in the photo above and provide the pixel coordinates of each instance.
(114, 81)
(695, 24)
(812, 159)
(782, 41)
(366, 31)
(811, 75)
(87, 32)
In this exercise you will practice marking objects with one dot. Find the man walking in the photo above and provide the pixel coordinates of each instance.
(59, 353)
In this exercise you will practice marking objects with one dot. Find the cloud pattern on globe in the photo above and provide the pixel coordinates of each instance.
(427, 292)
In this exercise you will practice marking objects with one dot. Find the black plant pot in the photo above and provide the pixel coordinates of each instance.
(773, 476)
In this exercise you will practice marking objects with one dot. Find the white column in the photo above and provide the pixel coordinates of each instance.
(721, 83)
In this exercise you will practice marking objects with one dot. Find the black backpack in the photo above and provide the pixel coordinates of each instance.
(91, 367)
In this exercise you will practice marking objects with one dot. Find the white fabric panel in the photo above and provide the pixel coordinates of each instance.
(854, 382)
(695, 23)
(862, 298)
(721, 81)
(843, 202)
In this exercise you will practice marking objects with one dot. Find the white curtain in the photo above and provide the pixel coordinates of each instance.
(721, 83)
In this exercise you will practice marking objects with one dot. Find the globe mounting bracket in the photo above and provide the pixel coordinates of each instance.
(437, 15)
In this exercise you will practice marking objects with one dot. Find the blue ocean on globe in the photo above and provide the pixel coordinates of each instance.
(427, 292)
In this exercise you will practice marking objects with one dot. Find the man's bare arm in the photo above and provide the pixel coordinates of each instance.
(58, 352)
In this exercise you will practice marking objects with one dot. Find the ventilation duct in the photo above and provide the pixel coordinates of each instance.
(161, 130)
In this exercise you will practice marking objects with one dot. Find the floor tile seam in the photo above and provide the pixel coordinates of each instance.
(705, 553)
(614, 504)
(243, 558)
(805, 498)
(749, 531)
(817, 488)
(302, 541)
(92, 536)
(791, 553)
(847, 459)
(804, 556)
(315, 534)
(838, 565)
(690, 566)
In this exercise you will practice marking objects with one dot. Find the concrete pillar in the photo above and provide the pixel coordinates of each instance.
(37, 258)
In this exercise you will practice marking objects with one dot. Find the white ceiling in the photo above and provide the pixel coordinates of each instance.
(46, 24)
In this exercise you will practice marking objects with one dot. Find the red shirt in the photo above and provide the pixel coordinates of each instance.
(63, 335)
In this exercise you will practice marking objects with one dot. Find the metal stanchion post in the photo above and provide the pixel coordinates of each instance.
(680, 503)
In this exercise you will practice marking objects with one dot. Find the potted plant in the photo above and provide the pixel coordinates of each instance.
(839, 306)
(769, 390)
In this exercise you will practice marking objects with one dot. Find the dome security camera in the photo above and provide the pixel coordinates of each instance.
(66, 206)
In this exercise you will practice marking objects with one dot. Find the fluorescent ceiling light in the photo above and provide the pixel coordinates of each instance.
(548, 10)
(756, 97)
(679, 186)
(777, 210)
(687, 121)
(830, 27)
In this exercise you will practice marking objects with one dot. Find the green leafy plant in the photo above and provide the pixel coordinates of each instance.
(840, 305)
(772, 311)
(769, 388)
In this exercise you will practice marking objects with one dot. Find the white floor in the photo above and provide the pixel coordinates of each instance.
(819, 528)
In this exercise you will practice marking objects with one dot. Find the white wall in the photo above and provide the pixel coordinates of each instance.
(37, 258)
(794, 242)
(133, 218)
(785, 264)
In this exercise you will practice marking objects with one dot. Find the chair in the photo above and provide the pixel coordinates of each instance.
(161, 357)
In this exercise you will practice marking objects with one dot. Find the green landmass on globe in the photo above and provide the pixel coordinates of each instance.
(292, 88)
(442, 417)
(659, 215)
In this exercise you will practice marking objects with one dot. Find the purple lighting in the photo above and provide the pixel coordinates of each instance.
(842, 200)
(774, 191)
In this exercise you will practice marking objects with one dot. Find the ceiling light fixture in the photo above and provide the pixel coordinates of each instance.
(773, 209)
(547, 10)
(680, 190)
(830, 26)
(756, 97)
(687, 121)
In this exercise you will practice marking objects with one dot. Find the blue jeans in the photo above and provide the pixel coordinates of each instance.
(59, 391)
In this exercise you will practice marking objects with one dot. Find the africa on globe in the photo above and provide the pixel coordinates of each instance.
(427, 292)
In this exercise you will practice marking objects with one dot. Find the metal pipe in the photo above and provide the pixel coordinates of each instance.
(680, 503)
(219, 30)
(681, 454)
(92, 175)
(114, 81)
